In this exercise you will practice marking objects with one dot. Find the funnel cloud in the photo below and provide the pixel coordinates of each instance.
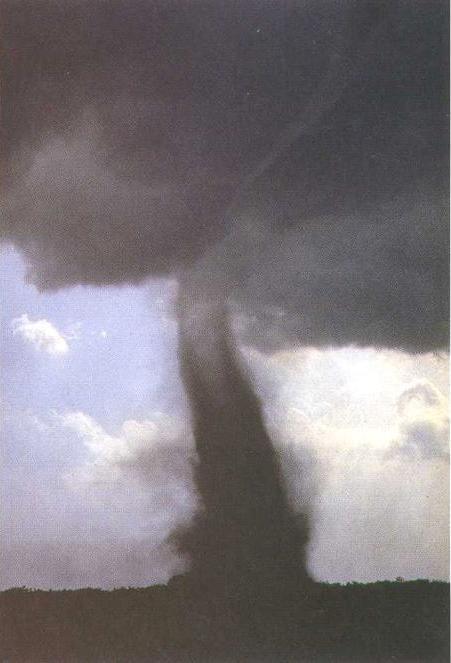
(246, 546)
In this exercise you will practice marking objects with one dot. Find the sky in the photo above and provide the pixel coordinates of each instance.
(96, 468)
(284, 162)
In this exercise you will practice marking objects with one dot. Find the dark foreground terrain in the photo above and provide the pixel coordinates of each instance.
(384, 621)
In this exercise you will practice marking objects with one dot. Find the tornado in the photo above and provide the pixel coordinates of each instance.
(247, 547)
(294, 153)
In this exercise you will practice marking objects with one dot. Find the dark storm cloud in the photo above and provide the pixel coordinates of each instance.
(141, 136)
(379, 279)
(184, 99)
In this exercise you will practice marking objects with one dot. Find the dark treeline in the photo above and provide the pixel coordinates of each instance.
(384, 621)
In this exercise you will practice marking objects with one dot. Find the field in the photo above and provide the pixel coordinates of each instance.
(384, 622)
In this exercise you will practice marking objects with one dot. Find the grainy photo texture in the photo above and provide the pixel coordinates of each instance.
(224, 245)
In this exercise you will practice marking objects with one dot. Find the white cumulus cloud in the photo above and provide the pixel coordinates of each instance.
(364, 433)
(424, 422)
(42, 334)
(146, 467)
